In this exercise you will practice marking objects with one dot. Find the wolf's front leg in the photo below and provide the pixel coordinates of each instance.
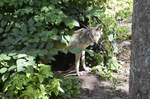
(77, 63)
(87, 69)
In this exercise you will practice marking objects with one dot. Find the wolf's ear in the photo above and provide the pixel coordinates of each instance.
(88, 28)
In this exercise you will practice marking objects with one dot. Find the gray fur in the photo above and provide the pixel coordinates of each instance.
(81, 39)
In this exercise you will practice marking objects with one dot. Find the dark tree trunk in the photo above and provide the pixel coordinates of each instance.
(140, 51)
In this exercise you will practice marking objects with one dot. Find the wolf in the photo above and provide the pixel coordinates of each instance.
(81, 39)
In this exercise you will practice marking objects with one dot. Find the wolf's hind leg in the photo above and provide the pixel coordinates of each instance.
(87, 69)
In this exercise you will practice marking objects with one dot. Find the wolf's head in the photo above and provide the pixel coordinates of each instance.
(95, 33)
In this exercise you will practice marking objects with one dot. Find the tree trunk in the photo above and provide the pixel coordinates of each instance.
(139, 86)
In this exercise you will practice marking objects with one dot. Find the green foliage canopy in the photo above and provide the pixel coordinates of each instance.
(29, 28)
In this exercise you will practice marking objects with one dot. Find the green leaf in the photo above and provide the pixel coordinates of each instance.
(4, 57)
(55, 84)
(54, 37)
(45, 70)
(3, 23)
(30, 92)
(7, 28)
(66, 39)
(21, 64)
(21, 55)
(38, 24)
(12, 68)
(41, 78)
(42, 87)
(15, 31)
(60, 89)
(1, 3)
(30, 69)
(1, 16)
(30, 58)
(30, 22)
(12, 54)
(71, 22)
(32, 29)
(3, 70)
(91, 52)
(5, 76)
(24, 28)
(1, 30)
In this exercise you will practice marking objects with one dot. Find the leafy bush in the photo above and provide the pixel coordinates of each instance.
(106, 70)
(29, 29)
(31, 81)
(71, 86)
(25, 79)
(32, 27)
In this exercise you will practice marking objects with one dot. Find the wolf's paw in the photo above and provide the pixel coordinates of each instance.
(87, 69)
(81, 73)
